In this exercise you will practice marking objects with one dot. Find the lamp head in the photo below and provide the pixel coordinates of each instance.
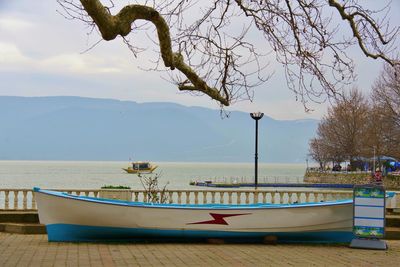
(256, 115)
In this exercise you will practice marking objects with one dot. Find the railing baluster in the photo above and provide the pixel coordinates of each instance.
(170, 196)
(25, 200)
(136, 196)
(300, 197)
(188, 197)
(229, 197)
(295, 198)
(7, 199)
(281, 200)
(221, 197)
(264, 199)
(312, 196)
(213, 197)
(255, 197)
(179, 197)
(33, 202)
(16, 193)
(239, 197)
(307, 197)
(273, 197)
(247, 198)
(196, 197)
(205, 197)
(290, 198)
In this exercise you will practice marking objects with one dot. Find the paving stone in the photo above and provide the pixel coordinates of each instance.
(34, 250)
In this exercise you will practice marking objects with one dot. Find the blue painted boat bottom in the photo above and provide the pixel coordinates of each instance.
(83, 233)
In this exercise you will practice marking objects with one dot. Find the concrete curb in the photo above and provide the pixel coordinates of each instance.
(19, 216)
(23, 228)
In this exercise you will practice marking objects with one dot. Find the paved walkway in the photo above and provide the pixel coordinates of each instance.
(34, 250)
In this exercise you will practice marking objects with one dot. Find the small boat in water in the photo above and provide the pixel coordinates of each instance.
(73, 218)
(140, 167)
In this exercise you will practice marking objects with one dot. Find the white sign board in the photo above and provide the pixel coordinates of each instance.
(369, 211)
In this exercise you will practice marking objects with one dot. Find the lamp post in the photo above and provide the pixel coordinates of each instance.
(256, 116)
(374, 169)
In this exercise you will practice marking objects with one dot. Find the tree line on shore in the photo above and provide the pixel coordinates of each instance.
(358, 126)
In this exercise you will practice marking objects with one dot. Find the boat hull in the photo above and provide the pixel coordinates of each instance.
(72, 218)
(144, 171)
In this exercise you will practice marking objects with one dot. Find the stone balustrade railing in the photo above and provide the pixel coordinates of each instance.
(318, 170)
(23, 199)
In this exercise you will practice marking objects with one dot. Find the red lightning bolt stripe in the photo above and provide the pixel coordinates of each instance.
(219, 218)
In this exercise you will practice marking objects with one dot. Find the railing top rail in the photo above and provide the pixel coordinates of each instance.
(292, 190)
(15, 189)
(54, 189)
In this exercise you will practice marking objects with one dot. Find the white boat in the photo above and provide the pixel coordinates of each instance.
(78, 218)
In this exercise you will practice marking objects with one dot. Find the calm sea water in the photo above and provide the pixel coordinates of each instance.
(94, 174)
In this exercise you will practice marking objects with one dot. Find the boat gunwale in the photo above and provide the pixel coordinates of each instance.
(219, 207)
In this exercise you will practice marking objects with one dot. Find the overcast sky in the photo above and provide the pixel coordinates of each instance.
(41, 55)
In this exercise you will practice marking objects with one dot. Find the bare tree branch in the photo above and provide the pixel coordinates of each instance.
(203, 41)
(120, 24)
(362, 17)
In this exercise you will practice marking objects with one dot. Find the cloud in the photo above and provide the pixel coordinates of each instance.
(10, 56)
(75, 63)
(13, 59)
(14, 24)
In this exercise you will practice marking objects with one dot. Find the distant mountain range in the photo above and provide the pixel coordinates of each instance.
(76, 128)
